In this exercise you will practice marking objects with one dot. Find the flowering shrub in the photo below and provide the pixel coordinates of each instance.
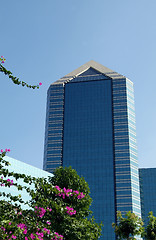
(54, 212)
(68, 192)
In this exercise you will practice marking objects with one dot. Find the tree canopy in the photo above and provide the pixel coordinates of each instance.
(129, 226)
(150, 233)
(56, 210)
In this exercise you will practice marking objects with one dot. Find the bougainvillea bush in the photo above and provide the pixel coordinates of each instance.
(58, 209)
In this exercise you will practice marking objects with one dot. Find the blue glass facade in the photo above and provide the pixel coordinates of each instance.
(88, 143)
(97, 137)
(126, 164)
(147, 191)
(54, 127)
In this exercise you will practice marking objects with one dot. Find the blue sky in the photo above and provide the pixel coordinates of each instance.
(44, 40)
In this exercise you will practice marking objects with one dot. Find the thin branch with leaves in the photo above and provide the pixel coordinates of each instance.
(15, 79)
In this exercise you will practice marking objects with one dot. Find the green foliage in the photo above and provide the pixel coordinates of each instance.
(129, 226)
(78, 225)
(150, 232)
(68, 178)
(82, 227)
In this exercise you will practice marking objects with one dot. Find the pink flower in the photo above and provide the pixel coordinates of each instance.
(1, 150)
(70, 211)
(41, 211)
(2, 59)
(46, 230)
(49, 223)
(19, 213)
(77, 192)
(14, 237)
(32, 236)
(58, 188)
(61, 237)
(49, 209)
(25, 231)
(81, 196)
(40, 84)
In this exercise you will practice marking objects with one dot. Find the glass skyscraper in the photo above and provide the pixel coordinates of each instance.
(90, 125)
(147, 192)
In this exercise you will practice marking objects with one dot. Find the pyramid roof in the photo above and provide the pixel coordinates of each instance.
(90, 65)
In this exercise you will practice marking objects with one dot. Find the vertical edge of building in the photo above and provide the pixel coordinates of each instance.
(54, 127)
(126, 162)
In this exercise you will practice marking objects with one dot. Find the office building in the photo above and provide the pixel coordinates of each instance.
(21, 167)
(90, 125)
(147, 192)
